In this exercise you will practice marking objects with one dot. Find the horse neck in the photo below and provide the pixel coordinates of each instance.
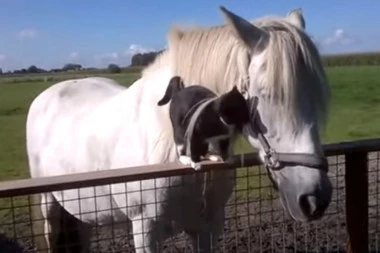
(135, 111)
(153, 84)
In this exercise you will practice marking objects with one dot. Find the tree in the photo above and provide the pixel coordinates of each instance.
(71, 66)
(144, 59)
(1, 71)
(55, 70)
(32, 69)
(136, 60)
(113, 68)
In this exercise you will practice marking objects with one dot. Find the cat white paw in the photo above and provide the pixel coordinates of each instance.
(196, 166)
(215, 158)
(185, 160)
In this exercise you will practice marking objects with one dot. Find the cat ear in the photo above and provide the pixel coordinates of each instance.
(234, 89)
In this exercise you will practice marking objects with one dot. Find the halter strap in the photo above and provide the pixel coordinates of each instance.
(278, 160)
(199, 107)
(194, 107)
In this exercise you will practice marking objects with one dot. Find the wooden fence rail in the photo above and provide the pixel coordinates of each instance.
(356, 179)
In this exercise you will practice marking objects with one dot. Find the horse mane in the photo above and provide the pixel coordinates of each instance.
(210, 57)
(216, 59)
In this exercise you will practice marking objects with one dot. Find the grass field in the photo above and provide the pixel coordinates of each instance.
(15, 98)
(355, 112)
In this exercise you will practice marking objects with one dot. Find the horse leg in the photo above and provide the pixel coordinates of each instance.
(202, 241)
(148, 233)
(205, 241)
(39, 222)
(68, 234)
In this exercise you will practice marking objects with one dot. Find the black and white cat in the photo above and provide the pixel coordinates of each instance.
(202, 122)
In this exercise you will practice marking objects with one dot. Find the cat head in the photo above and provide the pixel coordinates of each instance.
(233, 108)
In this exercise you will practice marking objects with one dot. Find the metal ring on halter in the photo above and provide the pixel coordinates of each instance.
(271, 159)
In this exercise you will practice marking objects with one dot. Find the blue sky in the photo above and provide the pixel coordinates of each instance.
(50, 33)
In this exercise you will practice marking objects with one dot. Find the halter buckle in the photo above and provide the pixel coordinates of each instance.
(271, 159)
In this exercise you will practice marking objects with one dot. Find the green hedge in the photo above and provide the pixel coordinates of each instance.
(354, 59)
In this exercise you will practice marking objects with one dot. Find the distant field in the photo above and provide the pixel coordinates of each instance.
(355, 112)
(55, 77)
(15, 98)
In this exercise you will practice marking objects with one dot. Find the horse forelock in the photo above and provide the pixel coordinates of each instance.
(294, 71)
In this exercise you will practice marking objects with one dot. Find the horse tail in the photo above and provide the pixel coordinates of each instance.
(175, 85)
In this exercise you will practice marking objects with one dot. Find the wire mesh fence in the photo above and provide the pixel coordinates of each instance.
(373, 201)
(254, 218)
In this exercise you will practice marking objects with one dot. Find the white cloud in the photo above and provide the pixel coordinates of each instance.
(73, 56)
(110, 56)
(107, 57)
(102, 60)
(339, 37)
(27, 33)
(135, 49)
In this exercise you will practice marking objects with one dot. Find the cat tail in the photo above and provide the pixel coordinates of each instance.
(175, 85)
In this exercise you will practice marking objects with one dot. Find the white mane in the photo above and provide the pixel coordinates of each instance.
(215, 59)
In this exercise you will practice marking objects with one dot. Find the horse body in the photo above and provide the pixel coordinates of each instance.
(95, 124)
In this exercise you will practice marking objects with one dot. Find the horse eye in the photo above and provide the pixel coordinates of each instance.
(265, 95)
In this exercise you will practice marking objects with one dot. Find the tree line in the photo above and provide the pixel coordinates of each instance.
(137, 60)
(33, 69)
(354, 59)
(144, 59)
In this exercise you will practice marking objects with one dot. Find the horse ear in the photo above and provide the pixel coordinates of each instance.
(295, 17)
(243, 29)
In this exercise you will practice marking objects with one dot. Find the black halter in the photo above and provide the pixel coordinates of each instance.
(276, 160)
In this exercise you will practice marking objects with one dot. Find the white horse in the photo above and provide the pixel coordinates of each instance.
(94, 124)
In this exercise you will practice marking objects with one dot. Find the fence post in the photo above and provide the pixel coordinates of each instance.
(357, 201)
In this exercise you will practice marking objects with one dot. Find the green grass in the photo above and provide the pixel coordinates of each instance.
(355, 105)
(15, 98)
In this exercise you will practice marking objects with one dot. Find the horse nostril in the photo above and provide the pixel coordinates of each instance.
(308, 205)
